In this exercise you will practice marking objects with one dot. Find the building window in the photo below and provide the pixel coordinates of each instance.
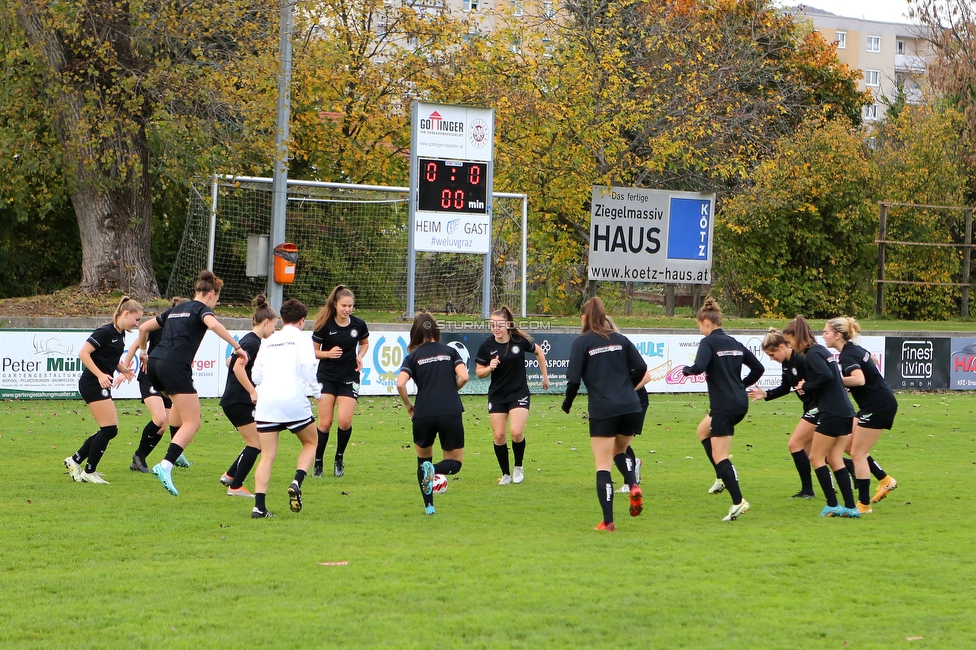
(871, 112)
(874, 43)
(548, 10)
(872, 77)
(517, 5)
(841, 40)
(470, 5)
(899, 47)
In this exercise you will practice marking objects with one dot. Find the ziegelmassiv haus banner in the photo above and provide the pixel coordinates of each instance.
(640, 235)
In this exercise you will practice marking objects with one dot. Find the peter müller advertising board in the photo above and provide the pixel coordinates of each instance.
(640, 235)
(451, 176)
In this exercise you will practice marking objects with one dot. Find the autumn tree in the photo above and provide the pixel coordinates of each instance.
(124, 79)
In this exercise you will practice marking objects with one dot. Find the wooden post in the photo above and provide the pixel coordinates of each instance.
(882, 233)
(629, 304)
(966, 261)
(669, 299)
(696, 299)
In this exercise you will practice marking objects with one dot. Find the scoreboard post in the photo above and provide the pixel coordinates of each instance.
(451, 185)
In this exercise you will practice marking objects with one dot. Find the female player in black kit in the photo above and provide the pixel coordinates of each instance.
(159, 406)
(101, 354)
(184, 327)
(721, 357)
(439, 373)
(240, 397)
(606, 361)
(337, 334)
(629, 461)
(794, 371)
(834, 417)
(876, 408)
(502, 356)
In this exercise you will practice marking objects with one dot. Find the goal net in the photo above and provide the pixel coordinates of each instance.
(345, 234)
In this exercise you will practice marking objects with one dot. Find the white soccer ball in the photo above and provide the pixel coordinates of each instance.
(463, 351)
(440, 484)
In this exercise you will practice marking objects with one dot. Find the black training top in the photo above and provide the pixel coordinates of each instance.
(874, 395)
(824, 383)
(794, 371)
(508, 381)
(343, 369)
(721, 357)
(234, 392)
(606, 366)
(109, 344)
(432, 368)
(183, 331)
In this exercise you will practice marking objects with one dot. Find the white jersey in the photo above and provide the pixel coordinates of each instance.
(284, 375)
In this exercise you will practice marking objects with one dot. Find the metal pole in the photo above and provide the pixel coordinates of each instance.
(279, 186)
(882, 233)
(212, 236)
(525, 248)
(412, 214)
(966, 261)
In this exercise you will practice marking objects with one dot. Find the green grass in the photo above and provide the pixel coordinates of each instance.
(127, 565)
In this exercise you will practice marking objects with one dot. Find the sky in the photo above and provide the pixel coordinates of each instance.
(891, 11)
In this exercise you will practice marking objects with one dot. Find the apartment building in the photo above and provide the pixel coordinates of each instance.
(887, 54)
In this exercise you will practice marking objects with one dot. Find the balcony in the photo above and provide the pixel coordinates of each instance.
(909, 63)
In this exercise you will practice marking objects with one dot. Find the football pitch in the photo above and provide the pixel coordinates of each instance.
(128, 565)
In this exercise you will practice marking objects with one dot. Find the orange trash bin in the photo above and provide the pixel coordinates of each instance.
(285, 261)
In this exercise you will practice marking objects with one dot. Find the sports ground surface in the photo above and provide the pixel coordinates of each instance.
(128, 565)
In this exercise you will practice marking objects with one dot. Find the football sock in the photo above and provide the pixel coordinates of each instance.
(626, 467)
(630, 454)
(150, 438)
(244, 465)
(863, 490)
(604, 492)
(428, 498)
(731, 479)
(172, 453)
(82, 453)
(501, 453)
(826, 485)
(323, 443)
(300, 477)
(802, 462)
(447, 467)
(259, 501)
(172, 431)
(849, 464)
(518, 450)
(876, 470)
(342, 439)
(707, 444)
(99, 445)
(232, 470)
(846, 489)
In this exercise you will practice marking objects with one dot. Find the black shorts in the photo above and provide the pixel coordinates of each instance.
(505, 407)
(91, 391)
(294, 427)
(240, 414)
(340, 388)
(723, 424)
(450, 428)
(811, 416)
(171, 378)
(876, 419)
(834, 426)
(643, 415)
(627, 424)
(146, 389)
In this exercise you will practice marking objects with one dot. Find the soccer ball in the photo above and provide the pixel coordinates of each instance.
(462, 351)
(440, 484)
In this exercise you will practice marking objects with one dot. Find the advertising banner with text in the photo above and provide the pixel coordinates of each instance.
(640, 235)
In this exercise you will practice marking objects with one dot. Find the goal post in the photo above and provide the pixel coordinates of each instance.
(346, 234)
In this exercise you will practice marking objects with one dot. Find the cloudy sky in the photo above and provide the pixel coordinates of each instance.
(892, 11)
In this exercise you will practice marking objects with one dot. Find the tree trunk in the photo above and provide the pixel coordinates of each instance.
(107, 164)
